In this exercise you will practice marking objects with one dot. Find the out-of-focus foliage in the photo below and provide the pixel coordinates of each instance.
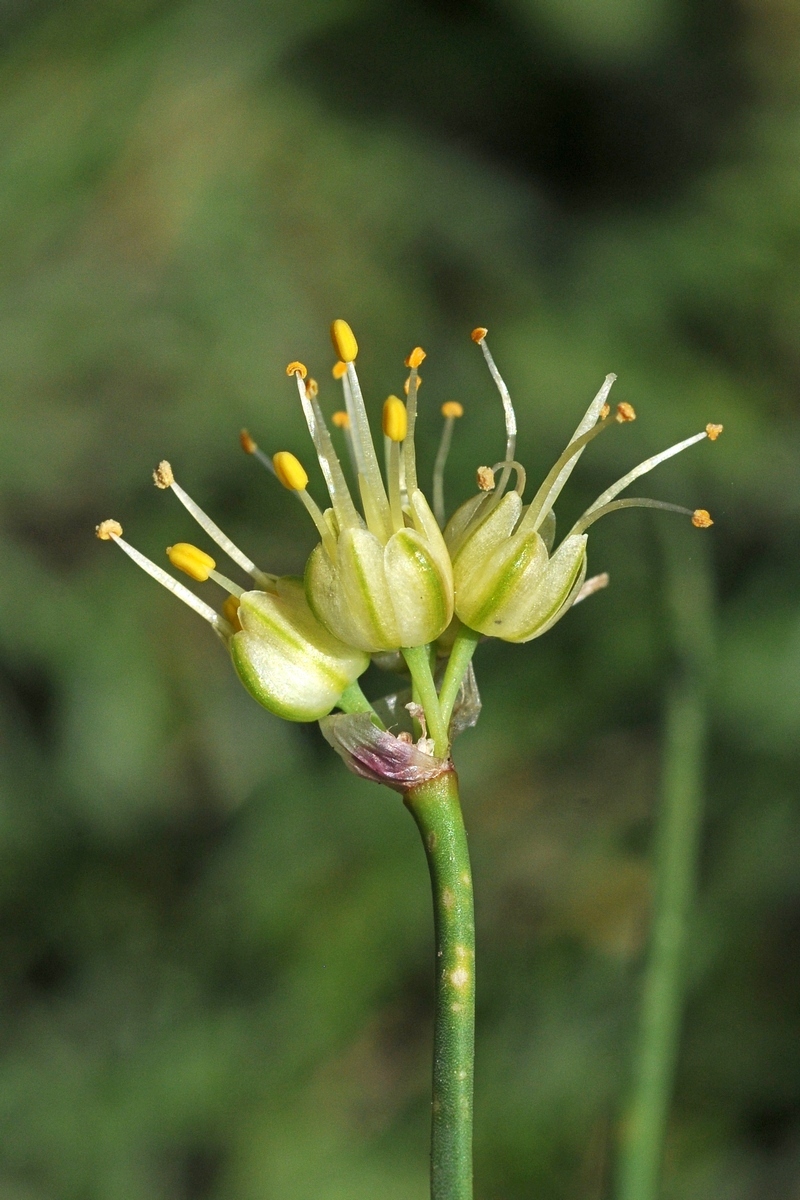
(216, 945)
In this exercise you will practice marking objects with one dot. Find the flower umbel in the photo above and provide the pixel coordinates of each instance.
(390, 579)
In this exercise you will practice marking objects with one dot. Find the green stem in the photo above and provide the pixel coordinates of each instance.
(353, 700)
(419, 664)
(676, 851)
(435, 807)
(460, 656)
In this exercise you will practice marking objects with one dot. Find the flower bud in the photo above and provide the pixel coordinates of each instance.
(288, 661)
(506, 584)
(383, 597)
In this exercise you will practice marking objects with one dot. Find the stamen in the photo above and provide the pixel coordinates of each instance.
(341, 420)
(511, 466)
(451, 411)
(339, 369)
(479, 336)
(538, 510)
(331, 468)
(193, 561)
(395, 419)
(344, 342)
(376, 504)
(230, 611)
(297, 368)
(484, 477)
(198, 565)
(701, 518)
(593, 515)
(108, 530)
(292, 474)
(642, 469)
(251, 447)
(395, 428)
(164, 478)
(597, 410)
(625, 412)
(312, 389)
(595, 584)
(411, 387)
(112, 531)
(713, 432)
(407, 384)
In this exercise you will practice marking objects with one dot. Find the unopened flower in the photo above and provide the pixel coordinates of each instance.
(509, 582)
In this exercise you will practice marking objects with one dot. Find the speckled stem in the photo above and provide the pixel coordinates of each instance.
(436, 809)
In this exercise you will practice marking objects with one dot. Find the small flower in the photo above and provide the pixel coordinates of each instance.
(383, 581)
(509, 583)
(284, 657)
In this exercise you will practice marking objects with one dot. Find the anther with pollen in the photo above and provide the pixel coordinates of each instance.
(164, 478)
(294, 477)
(451, 411)
(112, 531)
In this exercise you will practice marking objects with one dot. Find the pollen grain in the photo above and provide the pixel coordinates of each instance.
(107, 530)
(162, 476)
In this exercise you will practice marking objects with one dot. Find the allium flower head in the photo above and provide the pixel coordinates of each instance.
(391, 579)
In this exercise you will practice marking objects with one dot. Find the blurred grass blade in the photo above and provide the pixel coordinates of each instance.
(642, 1135)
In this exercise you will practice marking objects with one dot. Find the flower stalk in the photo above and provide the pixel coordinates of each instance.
(436, 808)
(397, 584)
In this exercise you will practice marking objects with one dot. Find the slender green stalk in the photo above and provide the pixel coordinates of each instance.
(353, 700)
(436, 809)
(419, 664)
(460, 657)
(676, 850)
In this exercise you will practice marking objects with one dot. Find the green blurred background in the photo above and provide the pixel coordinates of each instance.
(215, 944)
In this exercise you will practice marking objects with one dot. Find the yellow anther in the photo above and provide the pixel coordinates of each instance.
(230, 611)
(341, 419)
(193, 561)
(452, 408)
(339, 369)
(416, 357)
(344, 342)
(107, 530)
(604, 411)
(395, 419)
(701, 518)
(626, 412)
(479, 334)
(296, 368)
(713, 432)
(312, 388)
(485, 476)
(247, 443)
(407, 384)
(290, 471)
(162, 476)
